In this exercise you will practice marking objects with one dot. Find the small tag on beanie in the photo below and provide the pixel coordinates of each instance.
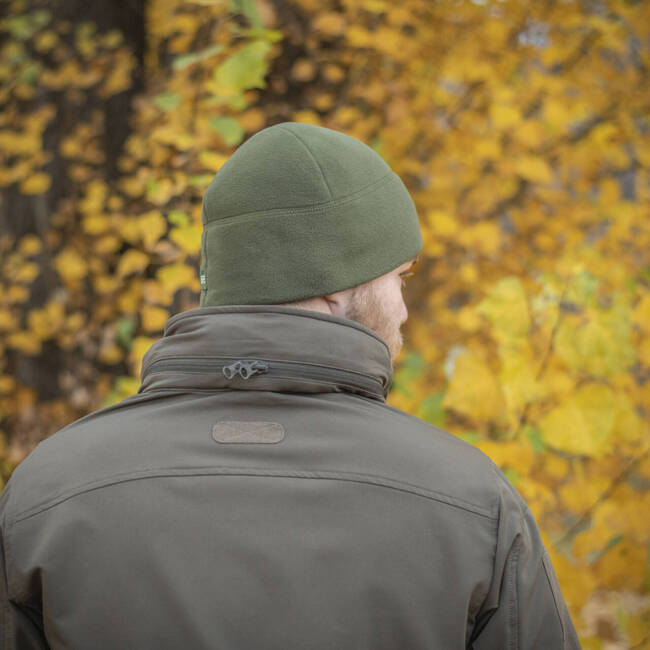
(233, 431)
(204, 282)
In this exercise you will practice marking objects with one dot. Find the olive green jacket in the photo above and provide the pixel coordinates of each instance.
(258, 493)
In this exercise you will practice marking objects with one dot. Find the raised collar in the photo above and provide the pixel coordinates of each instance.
(267, 347)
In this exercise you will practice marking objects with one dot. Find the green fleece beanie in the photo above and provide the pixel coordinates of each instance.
(300, 211)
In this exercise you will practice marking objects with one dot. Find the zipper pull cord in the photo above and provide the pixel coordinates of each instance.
(245, 368)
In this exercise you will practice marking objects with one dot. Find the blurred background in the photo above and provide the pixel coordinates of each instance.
(521, 129)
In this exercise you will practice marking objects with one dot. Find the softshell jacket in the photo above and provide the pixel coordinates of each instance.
(258, 493)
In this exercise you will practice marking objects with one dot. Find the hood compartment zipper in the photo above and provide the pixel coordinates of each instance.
(247, 367)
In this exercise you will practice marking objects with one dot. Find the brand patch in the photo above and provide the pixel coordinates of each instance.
(247, 432)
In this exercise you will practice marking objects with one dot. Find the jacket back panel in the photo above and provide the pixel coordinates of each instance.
(364, 527)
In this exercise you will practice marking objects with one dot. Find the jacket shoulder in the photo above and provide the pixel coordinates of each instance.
(51, 467)
(436, 460)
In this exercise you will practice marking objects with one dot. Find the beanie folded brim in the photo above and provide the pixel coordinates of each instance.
(324, 248)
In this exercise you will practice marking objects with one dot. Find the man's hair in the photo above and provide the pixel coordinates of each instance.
(359, 292)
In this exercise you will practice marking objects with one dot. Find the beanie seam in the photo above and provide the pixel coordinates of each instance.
(304, 144)
(319, 207)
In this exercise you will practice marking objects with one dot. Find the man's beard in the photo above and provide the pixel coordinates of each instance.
(366, 307)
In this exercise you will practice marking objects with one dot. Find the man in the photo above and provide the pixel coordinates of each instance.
(258, 492)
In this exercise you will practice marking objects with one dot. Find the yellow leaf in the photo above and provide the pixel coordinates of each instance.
(513, 454)
(582, 492)
(130, 300)
(94, 198)
(95, 224)
(7, 384)
(26, 272)
(504, 115)
(30, 245)
(70, 265)
(555, 466)
(534, 169)
(107, 244)
(45, 41)
(506, 308)
(140, 346)
(442, 223)
(582, 424)
(188, 237)
(468, 319)
(119, 77)
(474, 390)
(18, 293)
(358, 36)
(602, 346)
(307, 116)
(613, 568)
(132, 261)
(628, 426)
(111, 354)
(641, 314)
(152, 227)
(46, 322)
(25, 342)
(175, 276)
(154, 293)
(489, 149)
(106, 283)
(556, 113)
(303, 70)
(8, 320)
(212, 160)
(161, 191)
(518, 382)
(36, 183)
(331, 23)
(153, 318)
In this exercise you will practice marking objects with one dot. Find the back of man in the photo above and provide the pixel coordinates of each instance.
(326, 519)
(258, 492)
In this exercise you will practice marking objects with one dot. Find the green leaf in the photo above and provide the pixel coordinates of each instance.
(20, 27)
(125, 330)
(30, 72)
(469, 436)
(41, 17)
(378, 145)
(408, 371)
(167, 101)
(200, 180)
(178, 217)
(512, 475)
(151, 187)
(245, 69)
(430, 410)
(582, 288)
(184, 60)
(249, 9)
(229, 129)
(534, 436)
(25, 26)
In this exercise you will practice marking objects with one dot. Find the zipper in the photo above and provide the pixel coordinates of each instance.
(247, 368)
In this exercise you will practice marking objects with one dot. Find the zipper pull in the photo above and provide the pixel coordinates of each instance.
(245, 368)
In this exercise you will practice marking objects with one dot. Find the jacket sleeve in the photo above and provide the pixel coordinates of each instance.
(20, 627)
(524, 608)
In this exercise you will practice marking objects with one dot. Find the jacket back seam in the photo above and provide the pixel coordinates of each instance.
(354, 477)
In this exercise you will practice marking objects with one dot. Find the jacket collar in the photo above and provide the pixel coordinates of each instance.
(304, 351)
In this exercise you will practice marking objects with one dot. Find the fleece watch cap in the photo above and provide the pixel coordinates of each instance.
(300, 211)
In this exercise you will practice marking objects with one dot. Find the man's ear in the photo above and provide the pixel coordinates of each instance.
(338, 301)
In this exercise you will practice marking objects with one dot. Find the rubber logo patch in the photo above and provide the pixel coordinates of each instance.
(233, 431)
